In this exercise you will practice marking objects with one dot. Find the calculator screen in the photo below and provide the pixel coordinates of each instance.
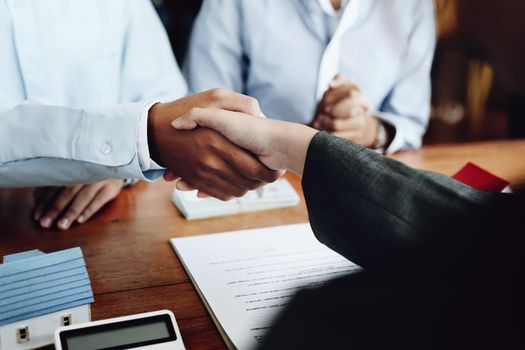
(121, 335)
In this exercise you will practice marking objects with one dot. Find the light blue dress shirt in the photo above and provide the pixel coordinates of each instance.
(77, 78)
(272, 50)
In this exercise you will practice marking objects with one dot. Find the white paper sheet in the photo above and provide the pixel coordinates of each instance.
(246, 278)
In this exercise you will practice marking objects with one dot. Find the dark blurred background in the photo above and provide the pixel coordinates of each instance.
(478, 73)
(178, 17)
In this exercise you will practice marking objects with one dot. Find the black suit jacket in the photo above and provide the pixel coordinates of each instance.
(443, 262)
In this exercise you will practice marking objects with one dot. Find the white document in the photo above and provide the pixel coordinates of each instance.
(246, 278)
(279, 194)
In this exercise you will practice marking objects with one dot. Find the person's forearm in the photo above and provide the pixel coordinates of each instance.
(369, 208)
(291, 143)
(374, 210)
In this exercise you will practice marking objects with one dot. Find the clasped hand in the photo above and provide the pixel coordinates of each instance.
(345, 111)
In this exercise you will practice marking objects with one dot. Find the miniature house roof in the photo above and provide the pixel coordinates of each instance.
(33, 284)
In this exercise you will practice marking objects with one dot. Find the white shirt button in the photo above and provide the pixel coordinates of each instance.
(105, 148)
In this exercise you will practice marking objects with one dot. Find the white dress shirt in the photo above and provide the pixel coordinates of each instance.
(284, 53)
(78, 79)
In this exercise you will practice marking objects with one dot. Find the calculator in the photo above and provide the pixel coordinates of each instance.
(148, 331)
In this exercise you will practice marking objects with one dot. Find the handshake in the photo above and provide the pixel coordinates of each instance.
(216, 142)
(219, 143)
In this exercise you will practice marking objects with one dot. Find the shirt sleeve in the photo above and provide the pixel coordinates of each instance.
(407, 106)
(376, 211)
(215, 54)
(45, 145)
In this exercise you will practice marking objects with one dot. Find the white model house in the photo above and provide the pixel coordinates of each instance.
(40, 292)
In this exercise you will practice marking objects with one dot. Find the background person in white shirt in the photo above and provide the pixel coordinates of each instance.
(78, 104)
(286, 54)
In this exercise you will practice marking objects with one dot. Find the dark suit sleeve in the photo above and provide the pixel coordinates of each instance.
(376, 211)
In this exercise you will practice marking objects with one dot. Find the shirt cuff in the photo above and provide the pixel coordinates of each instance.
(398, 142)
(146, 163)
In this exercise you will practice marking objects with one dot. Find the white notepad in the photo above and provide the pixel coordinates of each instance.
(246, 278)
(279, 194)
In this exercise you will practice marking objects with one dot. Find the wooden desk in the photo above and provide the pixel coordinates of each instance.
(132, 266)
(504, 158)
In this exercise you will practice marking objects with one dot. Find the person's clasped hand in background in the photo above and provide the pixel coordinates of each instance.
(346, 112)
(384, 47)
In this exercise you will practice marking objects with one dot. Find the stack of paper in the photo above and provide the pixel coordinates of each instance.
(280, 194)
(246, 278)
